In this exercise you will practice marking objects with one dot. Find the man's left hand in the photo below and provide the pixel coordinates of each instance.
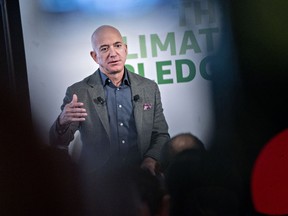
(151, 165)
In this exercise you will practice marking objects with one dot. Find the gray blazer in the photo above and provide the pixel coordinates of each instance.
(150, 121)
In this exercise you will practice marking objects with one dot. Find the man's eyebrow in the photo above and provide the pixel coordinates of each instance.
(104, 45)
(118, 42)
(107, 45)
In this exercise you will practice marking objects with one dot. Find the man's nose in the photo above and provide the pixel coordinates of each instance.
(112, 51)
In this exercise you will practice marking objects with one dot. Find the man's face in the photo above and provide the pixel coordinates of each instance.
(109, 51)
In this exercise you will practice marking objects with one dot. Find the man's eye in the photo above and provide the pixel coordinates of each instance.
(103, 49)
(118, 45)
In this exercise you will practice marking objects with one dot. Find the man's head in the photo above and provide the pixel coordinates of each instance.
(184, 141)
(178, 144)
(109, 50)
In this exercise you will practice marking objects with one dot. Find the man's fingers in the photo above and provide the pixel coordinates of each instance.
(77, 119)
(76, 115)
(76, 110)
(73, 111)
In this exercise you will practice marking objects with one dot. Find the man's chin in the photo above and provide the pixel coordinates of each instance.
(112, 70)
(115, 70)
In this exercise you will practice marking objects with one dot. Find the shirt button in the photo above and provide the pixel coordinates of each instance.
(121, 124)
(120, 106)
(123, 141)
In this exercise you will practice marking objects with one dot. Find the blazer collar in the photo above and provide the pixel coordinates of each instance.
(94, 79)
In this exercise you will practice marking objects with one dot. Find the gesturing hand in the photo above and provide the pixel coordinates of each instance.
(73, 112)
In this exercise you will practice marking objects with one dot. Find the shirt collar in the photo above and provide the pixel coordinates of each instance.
(105, 80)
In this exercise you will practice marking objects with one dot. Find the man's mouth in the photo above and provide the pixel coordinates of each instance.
(113, 62)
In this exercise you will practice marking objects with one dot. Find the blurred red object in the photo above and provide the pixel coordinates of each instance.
(269, 183)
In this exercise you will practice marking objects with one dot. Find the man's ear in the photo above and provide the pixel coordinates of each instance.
(94, 56)
(126, 48)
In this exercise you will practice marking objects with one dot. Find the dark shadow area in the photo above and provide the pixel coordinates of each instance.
(13, 77)
(250, 94)
(35, 179)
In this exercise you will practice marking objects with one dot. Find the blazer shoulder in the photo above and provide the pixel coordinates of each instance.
(140, 80)
(90, 80)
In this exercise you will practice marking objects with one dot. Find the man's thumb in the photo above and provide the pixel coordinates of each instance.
(74, 99)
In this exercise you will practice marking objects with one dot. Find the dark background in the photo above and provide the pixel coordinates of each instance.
(13, 80)
(251, 101)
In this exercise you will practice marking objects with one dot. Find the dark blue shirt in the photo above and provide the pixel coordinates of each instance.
(121, 118)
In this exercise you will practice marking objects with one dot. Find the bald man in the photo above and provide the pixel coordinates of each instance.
(118, 113)
(177, 144)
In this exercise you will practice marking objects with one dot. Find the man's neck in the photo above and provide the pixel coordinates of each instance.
(116, 78)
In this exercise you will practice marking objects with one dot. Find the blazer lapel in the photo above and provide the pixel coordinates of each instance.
(138, 110)
(137, 89)
(95, 92)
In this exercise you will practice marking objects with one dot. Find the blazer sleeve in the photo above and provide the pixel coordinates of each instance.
(59, 136)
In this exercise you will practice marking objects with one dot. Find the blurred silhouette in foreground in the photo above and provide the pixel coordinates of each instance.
(195, 187)
(34, 180)
(128, 191)
(177, 144)
(260, 35)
